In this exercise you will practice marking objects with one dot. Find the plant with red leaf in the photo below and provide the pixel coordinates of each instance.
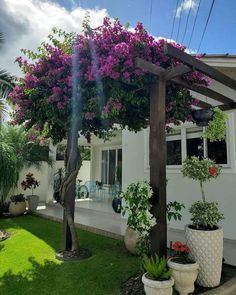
(181, 252)
(30, 182)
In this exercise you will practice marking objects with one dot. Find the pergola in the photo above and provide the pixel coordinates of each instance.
(157, 137)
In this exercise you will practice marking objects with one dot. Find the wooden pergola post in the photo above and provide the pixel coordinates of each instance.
(157, 156)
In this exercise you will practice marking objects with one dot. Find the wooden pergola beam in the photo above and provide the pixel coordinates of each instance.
(180, 70)
(149, 67)
(204, 91)
(199, 66)
(177, 71)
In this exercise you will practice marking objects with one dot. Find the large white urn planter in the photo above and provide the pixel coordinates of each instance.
(153, 287)
(207, 249)
(131, 240)
(184, 275)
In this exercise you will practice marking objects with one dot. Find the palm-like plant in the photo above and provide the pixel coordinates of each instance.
(25, 153)
(6, 84)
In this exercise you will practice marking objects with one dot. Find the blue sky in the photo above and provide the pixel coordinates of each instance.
(220, 35)
(26, 23)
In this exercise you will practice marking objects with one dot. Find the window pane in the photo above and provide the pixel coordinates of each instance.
(119, 167)
(217, 151)
(174, 152)
(112, 166)
(195, 147)
(104, 166)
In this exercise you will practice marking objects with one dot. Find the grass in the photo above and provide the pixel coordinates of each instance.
(28, 264)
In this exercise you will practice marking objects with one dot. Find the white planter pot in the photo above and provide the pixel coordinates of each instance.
(184, 275)
(207, 249)
(131, 239)
(17, 208)
(152, 287)
(33, 201)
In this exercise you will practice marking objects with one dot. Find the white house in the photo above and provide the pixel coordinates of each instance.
(130, 151)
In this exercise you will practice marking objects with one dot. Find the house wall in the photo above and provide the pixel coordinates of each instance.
(135, 148)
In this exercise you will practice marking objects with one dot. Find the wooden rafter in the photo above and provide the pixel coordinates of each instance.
(199, 66)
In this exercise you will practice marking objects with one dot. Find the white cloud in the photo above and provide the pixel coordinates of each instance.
(185, 6)
(27, 23)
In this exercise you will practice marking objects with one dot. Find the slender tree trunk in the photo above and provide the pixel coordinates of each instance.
(67, 192)
(203, 193)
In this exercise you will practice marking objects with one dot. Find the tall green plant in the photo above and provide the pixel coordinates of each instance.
(8, 166)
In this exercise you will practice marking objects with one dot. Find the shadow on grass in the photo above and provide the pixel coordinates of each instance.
(65, 278)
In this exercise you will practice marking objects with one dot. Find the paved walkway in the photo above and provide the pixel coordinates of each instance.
(106, 223)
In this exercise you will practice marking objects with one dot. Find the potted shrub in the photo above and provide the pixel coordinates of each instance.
(31, 183)
(140, 220)
(17, 205)
(157, 279)
(184, 269)
(204, 237)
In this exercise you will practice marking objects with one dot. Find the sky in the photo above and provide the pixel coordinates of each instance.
(26, 23)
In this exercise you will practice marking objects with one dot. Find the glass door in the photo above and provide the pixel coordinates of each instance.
(111, 166)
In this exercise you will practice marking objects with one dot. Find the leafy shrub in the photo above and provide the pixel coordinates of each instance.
(17, 198)
(205, 215)
(30, 182)
(173, 210)
(156, 267)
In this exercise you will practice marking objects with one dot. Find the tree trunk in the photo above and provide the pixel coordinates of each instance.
(67, 192)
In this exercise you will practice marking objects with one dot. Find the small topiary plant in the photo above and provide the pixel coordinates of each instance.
(156, 268)
(205, 215)
(201, 170)
(30, 182)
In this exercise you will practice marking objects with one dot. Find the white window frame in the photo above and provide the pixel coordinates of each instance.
(230, 146)
(108, 148)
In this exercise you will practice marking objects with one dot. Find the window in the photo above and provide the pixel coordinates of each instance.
(111, 166)
(187, 142)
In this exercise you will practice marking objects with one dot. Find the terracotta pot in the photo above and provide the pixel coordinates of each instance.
(207, 250)
(131, 239)
(184, 275)
(33, 201)
(18, 208)
(152, 287)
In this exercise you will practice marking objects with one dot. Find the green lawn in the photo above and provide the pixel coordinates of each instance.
(28, 264)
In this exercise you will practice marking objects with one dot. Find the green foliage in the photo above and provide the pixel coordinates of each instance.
(199, 169)
(137, 206)
(58, 178)
(8, 167)
(216, 130)
(156, 267)
(17, 198)
(174, 210)
(205, 214)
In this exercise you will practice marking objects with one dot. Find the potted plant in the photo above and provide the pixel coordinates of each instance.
(204, 237)
(31, 183)
(140, 220)
(202, 117)
(184, 269)
(157, 279)
(17, 205)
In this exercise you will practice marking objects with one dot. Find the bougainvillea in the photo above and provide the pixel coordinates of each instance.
(101, 62)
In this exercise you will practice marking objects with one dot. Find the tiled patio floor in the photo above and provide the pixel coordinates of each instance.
(90, 218)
